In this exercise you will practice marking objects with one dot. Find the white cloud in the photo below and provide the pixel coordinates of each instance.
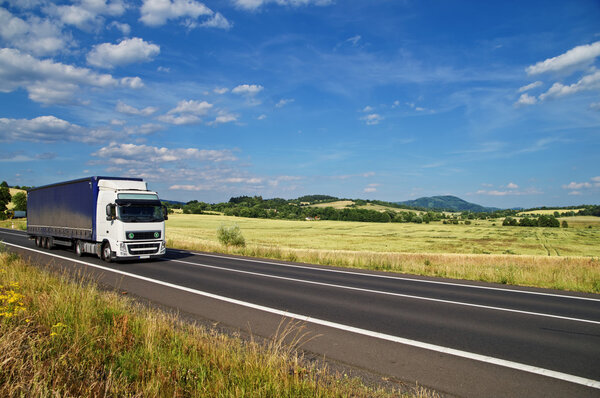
(191, 106)
(283, 102)
(530, 191)
(130, 110)
(525, 99)
(128, 51)
(371, 188)
(86, 14)
(367, 109)
(588, 82)
(354, 40)
(34, 35)
(262, 117)
(595, 106)
(247, 89)
(51, 82)
(575, 193)
(372, 119)
(596, 179)
(132, 82)
(255, 4)
(135, 155)
(577, 185)
(220, 90)
(530, 86)
(123, 27)
(512, 185)
(158, 12)
(580, 56)
(51, 129)
(223, 118)
(186, 112)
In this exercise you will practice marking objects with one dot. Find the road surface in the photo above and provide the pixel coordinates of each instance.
(460, 338)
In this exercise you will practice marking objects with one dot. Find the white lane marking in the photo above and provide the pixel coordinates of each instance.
(391, 277)
(419, 344)
(10, 233)
(382, 276)
(389, 293)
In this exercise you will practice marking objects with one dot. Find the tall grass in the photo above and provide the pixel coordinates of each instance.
(64, 337)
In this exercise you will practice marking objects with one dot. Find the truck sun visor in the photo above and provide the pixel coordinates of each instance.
(138, 202)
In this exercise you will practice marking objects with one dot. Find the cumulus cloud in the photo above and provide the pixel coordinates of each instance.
(132, 154)
(255, 4)
(371, 188)
(51, 82)
(221, 90)
(578, 57)
(123, 27)
(86, 14)
(372, 119)
(247, 89)
(525, 99)
(158, 12)
(512, 185)
(34, 35)
(130, 110)
(367, 109)
(588, 82)
(223, 117)
(186, 112)
(594, 182)
(128, 51)
(530, 86)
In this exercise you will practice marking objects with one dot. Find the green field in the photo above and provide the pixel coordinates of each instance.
(481, 237)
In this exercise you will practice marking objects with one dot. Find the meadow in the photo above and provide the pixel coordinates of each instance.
(559, 258)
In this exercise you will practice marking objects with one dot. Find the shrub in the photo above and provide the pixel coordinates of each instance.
(565, 224)
(231, 235)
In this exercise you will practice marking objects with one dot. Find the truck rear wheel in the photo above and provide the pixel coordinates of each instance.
(79, 248)
(48, 243)
(106, 252)
(38, 241)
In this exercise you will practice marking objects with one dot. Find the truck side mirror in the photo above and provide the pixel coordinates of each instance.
(165, 212)
(111, 212)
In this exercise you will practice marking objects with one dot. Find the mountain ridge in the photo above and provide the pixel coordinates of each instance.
(447, 202)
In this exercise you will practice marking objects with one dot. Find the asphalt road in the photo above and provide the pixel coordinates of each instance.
(460, 338)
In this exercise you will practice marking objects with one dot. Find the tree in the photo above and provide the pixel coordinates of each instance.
(4, 197)
(20, 201)
(4, 184)
(565, 224)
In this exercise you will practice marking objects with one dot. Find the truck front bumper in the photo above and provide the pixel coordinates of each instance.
(140, 250)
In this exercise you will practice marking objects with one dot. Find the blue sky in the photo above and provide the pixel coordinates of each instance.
(494, 102)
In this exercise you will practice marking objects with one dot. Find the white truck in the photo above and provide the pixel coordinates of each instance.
(114, 218)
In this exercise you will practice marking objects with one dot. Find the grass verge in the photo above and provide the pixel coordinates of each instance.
(579, 274)
(61, 336)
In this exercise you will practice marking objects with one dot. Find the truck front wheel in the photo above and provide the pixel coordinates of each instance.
(106, 252)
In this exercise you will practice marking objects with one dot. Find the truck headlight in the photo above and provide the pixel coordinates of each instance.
(123, 249)
(163, 246)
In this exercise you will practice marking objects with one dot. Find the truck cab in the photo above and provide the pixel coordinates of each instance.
(130, 221)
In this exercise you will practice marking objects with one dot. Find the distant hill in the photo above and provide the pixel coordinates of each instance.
(448, 202)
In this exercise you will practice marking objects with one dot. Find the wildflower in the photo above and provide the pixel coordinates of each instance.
(57, 329)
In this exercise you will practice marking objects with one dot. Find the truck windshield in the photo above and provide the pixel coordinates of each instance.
(140, 213)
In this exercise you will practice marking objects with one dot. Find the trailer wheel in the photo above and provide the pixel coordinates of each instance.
(79, 248)
(38, 241)
(106, 252)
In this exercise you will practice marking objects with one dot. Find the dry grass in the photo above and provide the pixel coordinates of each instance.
(70, 339)
(477, 252)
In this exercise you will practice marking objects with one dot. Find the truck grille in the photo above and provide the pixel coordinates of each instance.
(139, 235)
(137, 249)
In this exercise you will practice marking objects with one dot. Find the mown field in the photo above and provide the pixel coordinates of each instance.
(481, 237)
(342, 204)
(558, 258)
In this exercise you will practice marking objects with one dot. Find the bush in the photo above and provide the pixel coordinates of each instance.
(565, 224)
(231, 235)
